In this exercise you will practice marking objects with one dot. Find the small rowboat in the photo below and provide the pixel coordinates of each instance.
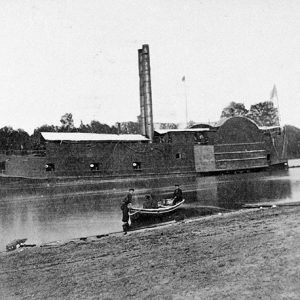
(162, 209)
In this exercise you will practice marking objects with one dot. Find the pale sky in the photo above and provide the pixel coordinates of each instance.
(81, 57)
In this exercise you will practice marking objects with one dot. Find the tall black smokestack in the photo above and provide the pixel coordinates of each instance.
(147, 93)
(142, 118)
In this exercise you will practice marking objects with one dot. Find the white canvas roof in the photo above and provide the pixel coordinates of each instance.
(79, 136)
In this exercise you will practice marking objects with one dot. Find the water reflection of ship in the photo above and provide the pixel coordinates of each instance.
(231, 144)
(233, 191)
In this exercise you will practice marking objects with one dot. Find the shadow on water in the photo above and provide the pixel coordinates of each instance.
(214, 194)
(239, 189)
(51, 211)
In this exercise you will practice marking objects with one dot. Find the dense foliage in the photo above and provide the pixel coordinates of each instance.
(234, 109)
(14, 139)
(262, 113)
(168, 125)
(293, 138)
(20, 141)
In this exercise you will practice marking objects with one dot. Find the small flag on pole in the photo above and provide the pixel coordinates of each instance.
(183, 78)
(273, 93)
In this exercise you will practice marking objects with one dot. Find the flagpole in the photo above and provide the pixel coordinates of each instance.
(279, 117)
(186, 106)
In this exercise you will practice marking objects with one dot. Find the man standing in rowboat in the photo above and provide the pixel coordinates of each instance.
(125, 210)
(177, 195)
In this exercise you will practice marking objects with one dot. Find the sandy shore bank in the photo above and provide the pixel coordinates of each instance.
(250, 254)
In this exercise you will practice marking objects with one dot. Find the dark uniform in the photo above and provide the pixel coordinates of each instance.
(150, 202)
(125, 211)
(177, 195)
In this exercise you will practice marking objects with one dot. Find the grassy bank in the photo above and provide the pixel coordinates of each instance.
(250, 254)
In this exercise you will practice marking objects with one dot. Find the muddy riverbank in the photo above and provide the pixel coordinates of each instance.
(249, 254)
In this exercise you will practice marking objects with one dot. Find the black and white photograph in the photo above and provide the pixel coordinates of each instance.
(150, 149)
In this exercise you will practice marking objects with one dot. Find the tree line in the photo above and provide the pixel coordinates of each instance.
(19, 139)
(262, 113)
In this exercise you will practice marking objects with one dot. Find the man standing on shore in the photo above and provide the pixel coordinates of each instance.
(125, 210)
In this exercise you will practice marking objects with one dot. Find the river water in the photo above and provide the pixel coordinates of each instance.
(49, 212)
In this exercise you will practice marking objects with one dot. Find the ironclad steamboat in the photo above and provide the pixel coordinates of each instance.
(231, 145)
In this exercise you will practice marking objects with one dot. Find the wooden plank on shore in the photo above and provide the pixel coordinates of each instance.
(272, 205)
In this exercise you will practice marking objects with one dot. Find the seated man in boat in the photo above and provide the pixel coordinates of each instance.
(150, 202)
(177, 195)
